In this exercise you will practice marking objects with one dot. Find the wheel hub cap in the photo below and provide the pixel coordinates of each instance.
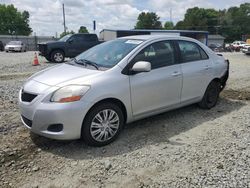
(58, 57)
(104, 125)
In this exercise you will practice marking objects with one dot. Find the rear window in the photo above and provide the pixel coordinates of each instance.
(190, 51)
(90, 37)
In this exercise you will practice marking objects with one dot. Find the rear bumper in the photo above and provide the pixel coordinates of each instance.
(224, 78)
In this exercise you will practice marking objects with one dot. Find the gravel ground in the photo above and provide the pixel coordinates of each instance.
(188, 147)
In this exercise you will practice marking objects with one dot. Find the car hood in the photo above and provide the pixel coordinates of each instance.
(51, 42)
(13, 46)
(57, 75)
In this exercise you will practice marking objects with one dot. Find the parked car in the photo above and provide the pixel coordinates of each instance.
(228, 48)
(68, 46)
(1, 46)
(246, 49)
(93, 95)
(15, 46)
(216, 47)
(238, 45)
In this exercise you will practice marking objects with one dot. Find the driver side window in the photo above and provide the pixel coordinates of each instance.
(159, 54)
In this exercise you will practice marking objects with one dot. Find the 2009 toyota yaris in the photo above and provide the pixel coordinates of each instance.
(93, 95)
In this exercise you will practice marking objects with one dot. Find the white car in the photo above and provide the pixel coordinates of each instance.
(246, 49)
(15, 46)
(120, 81)
(238, 44)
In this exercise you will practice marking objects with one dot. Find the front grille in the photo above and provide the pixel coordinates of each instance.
(27, 97)
(42, 48)
(27, 121)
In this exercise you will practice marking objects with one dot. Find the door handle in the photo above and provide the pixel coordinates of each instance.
(207, 67)
(176, 73)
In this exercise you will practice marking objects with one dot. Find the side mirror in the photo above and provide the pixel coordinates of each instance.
(141, 66)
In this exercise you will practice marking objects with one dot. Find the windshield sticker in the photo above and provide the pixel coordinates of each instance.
(133, 41)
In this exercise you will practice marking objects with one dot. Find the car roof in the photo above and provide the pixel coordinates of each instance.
(154, 37)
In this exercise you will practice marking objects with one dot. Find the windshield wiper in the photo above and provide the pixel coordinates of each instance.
(86, 62)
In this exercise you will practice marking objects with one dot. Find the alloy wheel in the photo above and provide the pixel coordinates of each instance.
(58, 57)
(104, 125)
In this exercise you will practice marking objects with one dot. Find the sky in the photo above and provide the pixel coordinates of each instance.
(46, 15)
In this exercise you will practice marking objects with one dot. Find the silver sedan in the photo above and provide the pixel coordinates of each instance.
(93, 95)
(15, 46)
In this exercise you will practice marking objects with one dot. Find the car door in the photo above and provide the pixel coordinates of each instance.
(159, 88)
(90, 40)
(74, 45)
(196, 69)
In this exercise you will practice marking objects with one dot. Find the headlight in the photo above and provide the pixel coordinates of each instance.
(69, 93)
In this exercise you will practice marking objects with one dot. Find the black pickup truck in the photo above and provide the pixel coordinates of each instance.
(68, 46)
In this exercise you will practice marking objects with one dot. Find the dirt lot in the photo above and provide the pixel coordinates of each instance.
(188, 147)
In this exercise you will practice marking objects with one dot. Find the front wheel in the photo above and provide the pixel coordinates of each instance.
(211, 95)
(57, 56)
(102, 124)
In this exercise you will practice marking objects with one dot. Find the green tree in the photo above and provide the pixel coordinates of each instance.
(66, 33)
(169, 25)
(83, 29)
(231, 23)
(13, 21)
(235, 22)
(148, 20)
(199, 19)
(180, 25)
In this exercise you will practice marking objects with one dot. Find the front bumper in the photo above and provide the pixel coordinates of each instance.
(13, 49)
(42, 48)
(38, 116)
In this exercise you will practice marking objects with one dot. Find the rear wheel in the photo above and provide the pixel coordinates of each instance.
(57, 56)
(102, 124)
(211, 95)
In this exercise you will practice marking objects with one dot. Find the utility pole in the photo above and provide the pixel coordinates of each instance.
(94, 25)
(64, 24)
(170, 12)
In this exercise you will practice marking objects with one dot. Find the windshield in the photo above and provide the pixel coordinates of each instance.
(15, 42)
(65, 38)
(108, 54)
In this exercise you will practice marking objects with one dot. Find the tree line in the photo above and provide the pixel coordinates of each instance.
(231, 23)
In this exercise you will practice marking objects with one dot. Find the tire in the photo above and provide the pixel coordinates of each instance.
(93, 134)
(57, 56)
(211, 96)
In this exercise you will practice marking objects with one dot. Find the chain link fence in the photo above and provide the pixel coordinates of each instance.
(30, 41)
